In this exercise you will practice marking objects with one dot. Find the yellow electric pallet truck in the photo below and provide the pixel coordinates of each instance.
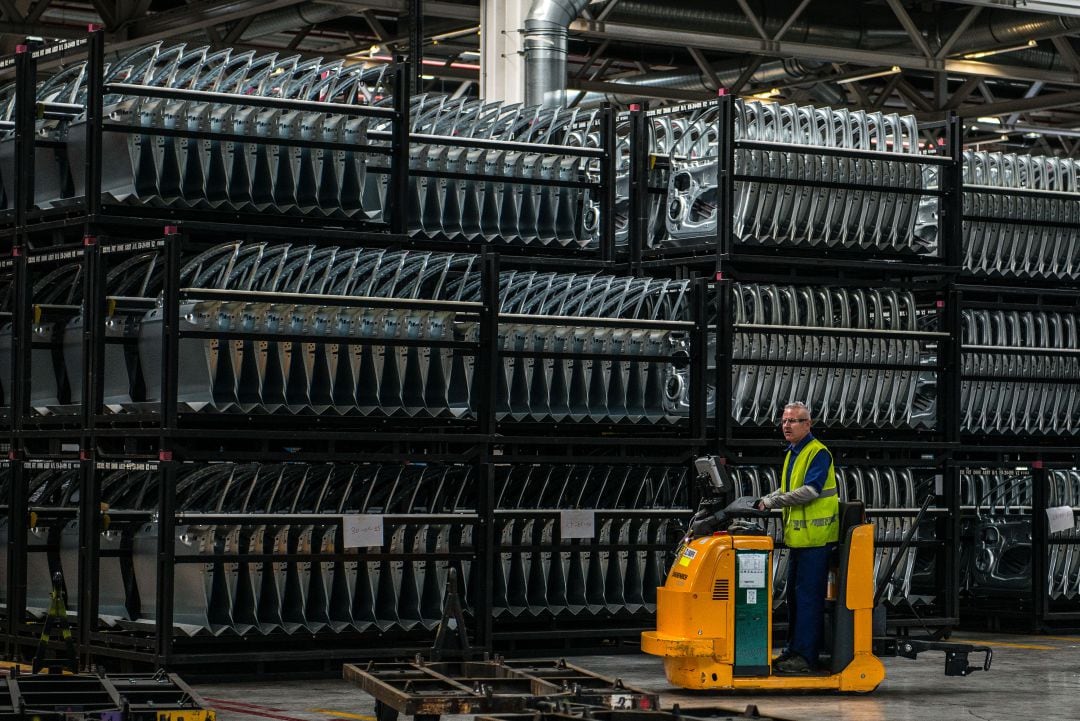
(714, 612)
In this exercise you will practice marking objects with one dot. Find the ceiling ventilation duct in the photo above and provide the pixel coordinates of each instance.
(545, 50)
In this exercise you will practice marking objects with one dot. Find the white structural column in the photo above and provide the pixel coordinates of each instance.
(502, 63)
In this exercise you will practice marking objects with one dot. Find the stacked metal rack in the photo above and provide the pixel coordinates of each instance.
(240, 447)
(1019, 289)
(1019, 455)
(833, 239)
(502, 337)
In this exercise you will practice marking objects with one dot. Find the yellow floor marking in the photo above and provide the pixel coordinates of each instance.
(343, 714)
(1006, 644)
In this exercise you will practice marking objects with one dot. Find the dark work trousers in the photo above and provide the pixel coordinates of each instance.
(808, 573)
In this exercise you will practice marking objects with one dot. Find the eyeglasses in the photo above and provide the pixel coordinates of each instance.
(790, 421)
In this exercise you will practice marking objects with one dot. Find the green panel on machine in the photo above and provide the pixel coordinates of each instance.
(751, 613)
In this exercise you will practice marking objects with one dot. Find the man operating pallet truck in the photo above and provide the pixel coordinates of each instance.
(811, 510)
(714, 612)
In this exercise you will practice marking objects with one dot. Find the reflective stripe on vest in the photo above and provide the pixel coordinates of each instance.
(818, 522)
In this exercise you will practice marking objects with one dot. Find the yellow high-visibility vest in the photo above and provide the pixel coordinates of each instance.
(818, 522)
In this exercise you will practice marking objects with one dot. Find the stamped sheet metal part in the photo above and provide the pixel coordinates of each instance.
(1021, 216)
(783, 198)
(881, 489)
(858, 377)
(997, 553)
(260, 547)
(282, 351)
(1020, 373)
(206, 149)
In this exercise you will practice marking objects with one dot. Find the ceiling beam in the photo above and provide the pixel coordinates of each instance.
(743, 44)
(592, 58)
(237, 30)
(914, 95)
(433, 8)
(11, 13)
(790, 21)
(1044, 130)
(912, 29)
(1019, 105)
(958, 32)
(202, 14)
(704, 66)
(1034, 90)
(886, 92)
(637, 91)
(758, 27)
(105, 10)
(1067, 52)
(375, 25)
(963, 93)
(36, 10)
(1054, 7)
(607, 9)
(744, 77)
(47, 30)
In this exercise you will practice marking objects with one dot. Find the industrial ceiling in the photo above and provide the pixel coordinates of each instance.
(1010, 67)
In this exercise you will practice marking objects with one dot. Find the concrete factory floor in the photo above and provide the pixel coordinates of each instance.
(1033, 677)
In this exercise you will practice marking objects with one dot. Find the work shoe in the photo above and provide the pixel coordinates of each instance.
(794, 663)
(782, 657)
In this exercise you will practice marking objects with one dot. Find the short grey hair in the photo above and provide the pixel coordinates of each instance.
(800, 406)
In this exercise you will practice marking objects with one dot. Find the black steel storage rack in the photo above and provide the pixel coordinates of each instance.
(93, 234)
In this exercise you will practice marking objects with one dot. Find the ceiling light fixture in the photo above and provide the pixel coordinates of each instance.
(998, 51)
(867, 76)
(456, 33)
(765, 95)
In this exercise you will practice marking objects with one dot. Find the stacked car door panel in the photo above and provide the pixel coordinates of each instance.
(998, 534)
(892, 496)
(56, 296)
(1021, 214)
(258, 547)
(278, 354)
(1021, 373)
(323, 163)
(609, 567)
(872, 364)
(782, 193)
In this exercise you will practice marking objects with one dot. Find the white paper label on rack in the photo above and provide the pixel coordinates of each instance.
(939, 485)
(577, 523)
(363, 530)
(752, 570)
(1061, 518)
(751, 597)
